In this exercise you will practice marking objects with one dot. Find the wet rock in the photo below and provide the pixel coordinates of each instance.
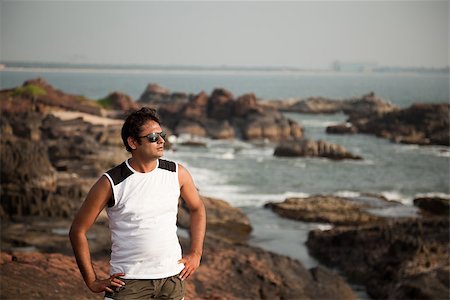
(346, 128)
(310, 148)
(391, 258)
(323, 208)
(433, 205)
(421, 123)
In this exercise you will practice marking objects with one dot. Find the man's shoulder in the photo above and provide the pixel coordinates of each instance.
(167, 165)
(119, 173)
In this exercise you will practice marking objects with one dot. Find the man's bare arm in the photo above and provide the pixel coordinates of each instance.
(94, 203)
(197, 211)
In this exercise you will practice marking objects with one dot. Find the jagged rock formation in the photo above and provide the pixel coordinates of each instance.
(310, 148)
(325, 209)
(401, 259)
(220, 115)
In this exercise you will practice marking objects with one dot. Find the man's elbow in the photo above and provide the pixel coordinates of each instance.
(198, 210)
(75, 233)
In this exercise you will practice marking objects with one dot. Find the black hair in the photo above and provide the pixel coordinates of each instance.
(134, 122)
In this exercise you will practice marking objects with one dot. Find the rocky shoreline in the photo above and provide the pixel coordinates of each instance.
(50, 161)
(394, 258)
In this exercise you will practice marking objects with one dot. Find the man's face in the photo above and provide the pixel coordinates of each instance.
(144, 147)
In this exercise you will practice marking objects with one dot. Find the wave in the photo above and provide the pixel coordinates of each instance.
(431, 150)
(433, 194)
(394, 196)
(318, 123)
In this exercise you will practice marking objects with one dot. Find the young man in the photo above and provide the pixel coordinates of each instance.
(141, 199)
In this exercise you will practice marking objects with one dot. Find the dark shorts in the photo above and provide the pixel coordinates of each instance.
(165, 288)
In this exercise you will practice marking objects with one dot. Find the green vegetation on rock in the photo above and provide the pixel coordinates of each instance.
(29, 90)
(105, 102)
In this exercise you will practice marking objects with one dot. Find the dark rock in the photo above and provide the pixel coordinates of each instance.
(386, 257)
(346, 128)
(221, 104)
(329, 209)
(423, 124)
(433, 205)
(310, 148)
(243, 272)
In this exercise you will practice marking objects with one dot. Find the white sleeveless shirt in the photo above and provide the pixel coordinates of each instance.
(142, 219)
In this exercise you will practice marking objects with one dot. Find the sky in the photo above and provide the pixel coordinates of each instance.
(304, 34)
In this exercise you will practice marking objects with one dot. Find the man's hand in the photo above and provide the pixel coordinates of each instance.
(191, 263)
(99, 286)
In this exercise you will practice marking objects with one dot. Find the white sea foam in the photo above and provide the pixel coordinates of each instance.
(238, 197)
(317, 123)
(324, 227)
(434, 150)
(397, 196)
(440, 195)
(347, 194)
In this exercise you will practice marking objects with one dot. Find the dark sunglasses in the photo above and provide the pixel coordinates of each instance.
(154, 136)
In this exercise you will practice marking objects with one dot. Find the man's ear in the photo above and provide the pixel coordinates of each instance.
(131, 142)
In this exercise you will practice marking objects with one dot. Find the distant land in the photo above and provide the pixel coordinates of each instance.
(335, 67)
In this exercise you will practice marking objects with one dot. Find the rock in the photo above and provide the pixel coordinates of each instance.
(223, 220)
(246, 104)
(219, 129)
(243, 272)
(190, 127)
(197, 107)
(428, 285)
(221, 104)
(328, 209)
(314, 105)
(389, 257)
(38, 95)
(342, 129)
(119, 101)
(45, 276)
(227, 272)
(433, 205)
(156, 95)
(310, 148)
(367, 106)
(423, 124)
(221, 116)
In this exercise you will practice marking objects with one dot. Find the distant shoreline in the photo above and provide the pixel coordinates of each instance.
(134, 68)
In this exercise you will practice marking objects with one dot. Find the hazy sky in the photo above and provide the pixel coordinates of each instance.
(296, 33)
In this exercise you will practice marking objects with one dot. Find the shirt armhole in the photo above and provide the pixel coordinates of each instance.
(111, 201)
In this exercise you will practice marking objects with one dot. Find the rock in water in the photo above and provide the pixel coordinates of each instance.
(310, 148)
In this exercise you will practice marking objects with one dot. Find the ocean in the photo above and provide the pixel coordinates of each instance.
(248, 175)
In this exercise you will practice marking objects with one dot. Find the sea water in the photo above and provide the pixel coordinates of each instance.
(248, 175)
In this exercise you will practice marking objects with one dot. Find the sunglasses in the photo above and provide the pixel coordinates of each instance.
(154, 136)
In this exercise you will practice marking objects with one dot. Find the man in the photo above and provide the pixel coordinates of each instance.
(141, 199)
